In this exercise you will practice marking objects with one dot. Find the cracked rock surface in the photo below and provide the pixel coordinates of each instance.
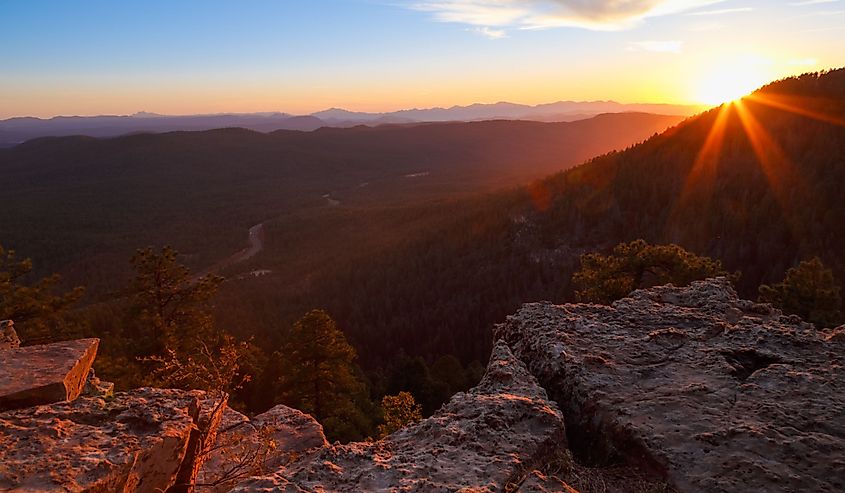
(712, 392)
(488, 439)
(135, 441)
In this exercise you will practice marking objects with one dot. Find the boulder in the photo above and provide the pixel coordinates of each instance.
(291, 431)
(138, 441)
(44, 374)
(247, 447)
(711, 392)
(8, 336)
(487, 439)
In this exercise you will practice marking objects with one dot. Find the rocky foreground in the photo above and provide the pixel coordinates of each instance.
(488, 439)
(711, 392)
(672, 389)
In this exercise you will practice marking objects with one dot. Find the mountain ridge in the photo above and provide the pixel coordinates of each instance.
(16, 130)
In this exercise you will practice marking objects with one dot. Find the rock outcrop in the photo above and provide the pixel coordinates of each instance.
(709, 391)
(488, 439)
(145, 440)
(44, 374)
(687, 386)
(250, 447)
(8, 336)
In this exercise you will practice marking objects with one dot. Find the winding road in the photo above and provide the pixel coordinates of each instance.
(256, 244)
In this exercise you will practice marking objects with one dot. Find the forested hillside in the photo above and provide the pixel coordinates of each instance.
(756, 184)
(408, 245)
(81, 206)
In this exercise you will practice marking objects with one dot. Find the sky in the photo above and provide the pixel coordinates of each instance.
(88, 57)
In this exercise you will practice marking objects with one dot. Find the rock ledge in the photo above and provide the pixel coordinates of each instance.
(711, 392)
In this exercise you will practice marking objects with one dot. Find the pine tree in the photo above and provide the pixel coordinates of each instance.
(318, 375)
(636, 265)
(809, 291)
(168, 303)
(37, 311)
(178, 334)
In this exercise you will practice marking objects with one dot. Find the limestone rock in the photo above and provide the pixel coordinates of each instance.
(8, 336)
(133, 442)
(44, 374)
(487, 439)
(712, 392)
(247, 447)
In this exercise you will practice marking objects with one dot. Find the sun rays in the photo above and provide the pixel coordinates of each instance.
(785, 182)
(779, 170)
(798, 105)
(704, 168)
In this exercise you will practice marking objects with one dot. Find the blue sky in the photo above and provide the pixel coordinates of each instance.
(192, 56)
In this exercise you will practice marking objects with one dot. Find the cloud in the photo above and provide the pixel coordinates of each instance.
(722, 11)
(811, 2)
(489, 32)
(657, 46)
(540, 14)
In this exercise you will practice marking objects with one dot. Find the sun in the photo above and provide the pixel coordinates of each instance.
(731, 81)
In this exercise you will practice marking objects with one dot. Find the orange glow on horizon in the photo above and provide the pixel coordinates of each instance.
(730, 80)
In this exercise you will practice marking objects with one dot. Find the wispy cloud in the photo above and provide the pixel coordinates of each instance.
(812, 2)
(489, 32)
(540, 14)
(657, 46)
(821, 13)
(722, 11)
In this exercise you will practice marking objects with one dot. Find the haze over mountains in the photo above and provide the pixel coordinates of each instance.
(99, 199)
(20, 129)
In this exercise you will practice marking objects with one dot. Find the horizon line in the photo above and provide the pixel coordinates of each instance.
(338, 108)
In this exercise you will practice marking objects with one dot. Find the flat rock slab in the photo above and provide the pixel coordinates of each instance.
(132, 442)
(712, 392)
(485, 440)
(43, 374)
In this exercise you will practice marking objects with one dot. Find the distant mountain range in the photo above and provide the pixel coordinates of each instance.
(562, 111)
(17, 130)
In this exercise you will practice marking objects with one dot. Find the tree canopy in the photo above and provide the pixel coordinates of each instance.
(171, 306)
(35, 307)
(809, 290)
(635, 265)
(318, 375)
(400, 410)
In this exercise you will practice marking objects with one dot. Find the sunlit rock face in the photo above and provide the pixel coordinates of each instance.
(487, 439)
(43, 374)
(712, 392)
(247, 447)
(145, 440)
